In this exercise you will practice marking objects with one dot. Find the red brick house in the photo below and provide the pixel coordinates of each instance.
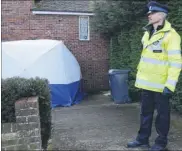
(66, 20)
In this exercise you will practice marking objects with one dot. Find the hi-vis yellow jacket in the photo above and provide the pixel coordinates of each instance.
(161, 60)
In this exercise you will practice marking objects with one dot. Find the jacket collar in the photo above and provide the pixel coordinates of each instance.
(166, 26)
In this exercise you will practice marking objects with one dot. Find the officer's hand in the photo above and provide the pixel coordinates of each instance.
(167, 92)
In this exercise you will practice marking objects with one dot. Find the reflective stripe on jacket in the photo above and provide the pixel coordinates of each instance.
(161, 60)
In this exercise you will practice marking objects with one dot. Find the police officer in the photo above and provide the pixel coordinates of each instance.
(157, 76)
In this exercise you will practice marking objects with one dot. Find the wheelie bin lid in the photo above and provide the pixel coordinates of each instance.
(119, 71)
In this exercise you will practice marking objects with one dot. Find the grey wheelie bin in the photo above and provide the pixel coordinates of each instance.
(118, 82)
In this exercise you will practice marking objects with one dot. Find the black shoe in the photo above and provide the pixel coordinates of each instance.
(157, 147)
(137, 144)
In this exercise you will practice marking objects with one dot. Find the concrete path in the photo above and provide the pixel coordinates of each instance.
(99, 124)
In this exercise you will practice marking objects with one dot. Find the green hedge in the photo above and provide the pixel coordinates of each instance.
(125, 51)
(122, 22)
(16, 88)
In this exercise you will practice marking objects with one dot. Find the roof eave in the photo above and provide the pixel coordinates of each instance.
(58, 12)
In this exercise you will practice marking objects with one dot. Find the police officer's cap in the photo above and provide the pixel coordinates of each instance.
(157, 7)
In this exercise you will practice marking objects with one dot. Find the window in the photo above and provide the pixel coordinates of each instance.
(84, 28)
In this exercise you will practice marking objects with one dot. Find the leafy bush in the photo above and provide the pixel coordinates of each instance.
(176, 21)
(122, 22)
(16, 88)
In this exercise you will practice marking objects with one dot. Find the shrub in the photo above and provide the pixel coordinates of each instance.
(15, 88)
(122, 23)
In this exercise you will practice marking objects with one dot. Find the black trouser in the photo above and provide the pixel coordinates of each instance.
(149, 101)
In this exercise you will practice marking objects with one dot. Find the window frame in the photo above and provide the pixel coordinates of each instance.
(88, 28)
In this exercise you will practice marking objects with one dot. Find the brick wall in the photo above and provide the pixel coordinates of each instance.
(25, 133)
(19, 23)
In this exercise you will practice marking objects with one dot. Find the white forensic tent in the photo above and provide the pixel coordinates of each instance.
(48, 59)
